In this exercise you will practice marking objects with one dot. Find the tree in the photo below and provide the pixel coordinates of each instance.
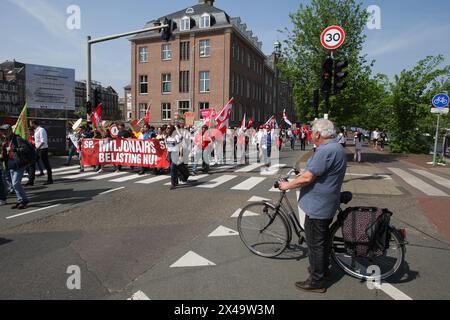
(411, 121)
(303, 56)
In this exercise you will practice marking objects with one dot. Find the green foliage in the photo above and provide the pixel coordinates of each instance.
(303, 55)
(411, 118)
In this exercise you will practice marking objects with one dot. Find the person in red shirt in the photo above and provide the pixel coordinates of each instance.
(202, 141)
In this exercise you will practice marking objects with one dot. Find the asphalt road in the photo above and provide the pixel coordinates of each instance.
(135, 237)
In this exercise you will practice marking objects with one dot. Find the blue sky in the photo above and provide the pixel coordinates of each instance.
(34, 31)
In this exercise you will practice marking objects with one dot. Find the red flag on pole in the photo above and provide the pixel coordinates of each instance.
(243, 122)
(96, 117)
(250, 123)
(223, 117)
(147, 115)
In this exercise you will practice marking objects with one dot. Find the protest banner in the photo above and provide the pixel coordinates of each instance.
(125, 152)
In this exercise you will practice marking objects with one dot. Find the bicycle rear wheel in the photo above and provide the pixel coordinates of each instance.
(368, 268)
(264, 231)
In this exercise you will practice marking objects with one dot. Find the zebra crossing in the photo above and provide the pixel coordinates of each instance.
(239, 178)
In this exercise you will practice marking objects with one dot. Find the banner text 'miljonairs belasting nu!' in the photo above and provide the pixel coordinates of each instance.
(125, 152)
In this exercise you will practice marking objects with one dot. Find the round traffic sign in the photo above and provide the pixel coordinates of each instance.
(114, 131)
(440, 100)
(332, 37)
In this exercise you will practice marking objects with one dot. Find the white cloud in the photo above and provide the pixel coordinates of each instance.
(53, 20)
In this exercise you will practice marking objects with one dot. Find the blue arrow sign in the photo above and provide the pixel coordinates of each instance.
(440, 100)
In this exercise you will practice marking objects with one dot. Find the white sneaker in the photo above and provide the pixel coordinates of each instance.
(100, 171)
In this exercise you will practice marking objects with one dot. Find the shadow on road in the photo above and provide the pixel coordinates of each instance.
(4, 241)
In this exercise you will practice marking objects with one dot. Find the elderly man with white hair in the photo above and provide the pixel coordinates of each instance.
(320, 183)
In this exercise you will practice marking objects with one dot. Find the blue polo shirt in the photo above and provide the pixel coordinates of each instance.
(321, 199)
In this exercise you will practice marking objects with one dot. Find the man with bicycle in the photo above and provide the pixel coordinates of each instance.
(320, 183)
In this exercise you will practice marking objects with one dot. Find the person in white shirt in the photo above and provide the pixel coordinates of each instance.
(41, 142)
(266, 143)
(375, 136)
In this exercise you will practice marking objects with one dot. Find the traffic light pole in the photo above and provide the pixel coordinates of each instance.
(90, 42)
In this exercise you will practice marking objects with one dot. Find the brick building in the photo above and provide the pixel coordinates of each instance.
(106, 95)
(210, 58)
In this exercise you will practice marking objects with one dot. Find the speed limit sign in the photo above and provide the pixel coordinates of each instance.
(332, 37)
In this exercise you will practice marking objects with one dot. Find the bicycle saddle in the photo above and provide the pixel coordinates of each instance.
(346, 197)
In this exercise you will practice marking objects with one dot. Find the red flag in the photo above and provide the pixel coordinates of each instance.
(147, 115)
(96, 117)
(223, 117)
(250, 123)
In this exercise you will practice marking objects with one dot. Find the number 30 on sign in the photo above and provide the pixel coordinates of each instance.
(333, 37)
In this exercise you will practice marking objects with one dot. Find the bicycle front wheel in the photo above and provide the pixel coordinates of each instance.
(368, 268)
(263, 230)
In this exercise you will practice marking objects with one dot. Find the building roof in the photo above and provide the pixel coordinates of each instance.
(219, 20)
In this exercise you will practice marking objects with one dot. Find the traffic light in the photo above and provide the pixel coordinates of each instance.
(327, 75)
(339, 75)
(97, 97)
(88, 107)
(166, 33)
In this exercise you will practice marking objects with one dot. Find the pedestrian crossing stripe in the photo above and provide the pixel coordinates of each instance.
(249, 184)
(192, 259)
(126, 178)
(61, 173)
(217, 182)
(139, 296)
(107, 176)
(249, 168)
(257, 199)
(438, 179)
(417, 183)
(191, 179)
(80, 175)
(223, 232)
(153, 180)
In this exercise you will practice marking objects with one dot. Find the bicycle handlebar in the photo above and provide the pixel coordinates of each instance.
(285, 179)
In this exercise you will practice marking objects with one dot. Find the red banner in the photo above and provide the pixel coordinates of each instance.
(125, 152)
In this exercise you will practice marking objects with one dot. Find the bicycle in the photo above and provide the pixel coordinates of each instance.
(272, 226)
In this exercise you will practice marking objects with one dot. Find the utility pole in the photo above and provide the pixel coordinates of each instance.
(90, 42)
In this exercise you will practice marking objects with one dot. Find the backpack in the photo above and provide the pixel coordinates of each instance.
(25, 154)
(366, 231)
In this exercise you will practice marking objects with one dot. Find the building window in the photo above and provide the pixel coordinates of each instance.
(205, 21)
(204, 81)
(184, 81)
(203, 105)
(205, 48)
(233, 49)
(185, 24)
(143, 84)
(166, 111)
(249, 60)
(166, 83)
(183, 107)
(184, 50)
(248, 88)
(143, 54)
(142, 110)
(233, 75)
(166, 51)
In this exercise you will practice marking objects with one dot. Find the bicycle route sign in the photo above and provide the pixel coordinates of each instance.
(333, 37)
(440, 103)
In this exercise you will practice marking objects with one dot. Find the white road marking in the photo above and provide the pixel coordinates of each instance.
(257, 199)
(153, 180)
(61, 173)
(191, 179)
(80, 175)
(393, 292)
(33, 211)
(250, 168)
(246, 214)
(418, 184)
(107, 176)
(139, 296)
(127, 178)
(223, 232)
(249, 184)
(217, 182)
(113, 190)
(191, 259)
(438, 179)
(63, 169)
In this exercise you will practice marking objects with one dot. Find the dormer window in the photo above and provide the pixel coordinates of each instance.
(205, 21)
(185, 24)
